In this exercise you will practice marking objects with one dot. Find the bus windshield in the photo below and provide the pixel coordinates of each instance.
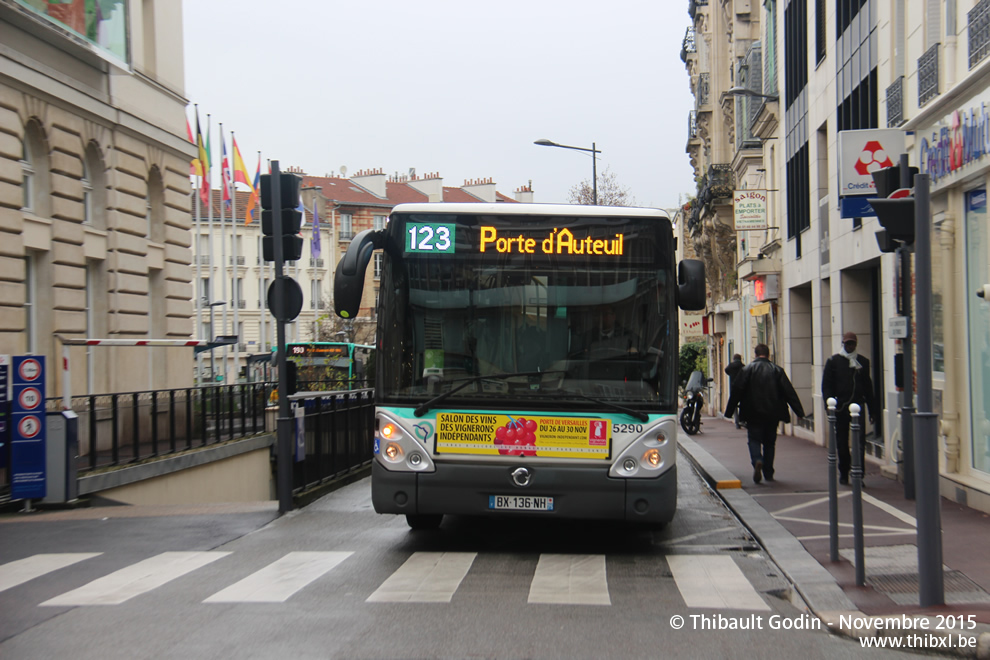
(553, 310)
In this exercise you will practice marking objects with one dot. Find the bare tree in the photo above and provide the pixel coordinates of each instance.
(330, 327)
(610, 193)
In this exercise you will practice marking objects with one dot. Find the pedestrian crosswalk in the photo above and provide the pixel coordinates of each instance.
(703, 581)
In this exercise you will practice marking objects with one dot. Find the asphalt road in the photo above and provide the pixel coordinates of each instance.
(337, 580)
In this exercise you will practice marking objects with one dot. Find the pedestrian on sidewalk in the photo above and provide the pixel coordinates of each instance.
(763, 392)
(731, 371)
(846, 378)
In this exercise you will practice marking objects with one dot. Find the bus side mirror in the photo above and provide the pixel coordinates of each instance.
(348, 282)
(691, 285)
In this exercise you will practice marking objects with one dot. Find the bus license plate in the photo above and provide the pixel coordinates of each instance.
(520, 503)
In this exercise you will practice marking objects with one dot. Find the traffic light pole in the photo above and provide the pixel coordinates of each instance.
(907, 372)
(930, 579)
(283, 428)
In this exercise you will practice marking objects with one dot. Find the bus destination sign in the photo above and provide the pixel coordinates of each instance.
(558, 241)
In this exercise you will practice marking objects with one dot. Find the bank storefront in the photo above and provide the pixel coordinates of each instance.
(952, 146)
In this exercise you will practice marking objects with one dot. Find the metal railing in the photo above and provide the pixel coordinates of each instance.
(117, 429)
(339, 436)
(895, 103)
(978, 24)
(702, 94)
(928, 75)
(692, 124)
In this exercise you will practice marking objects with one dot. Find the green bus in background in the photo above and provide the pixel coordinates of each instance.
(331, 366)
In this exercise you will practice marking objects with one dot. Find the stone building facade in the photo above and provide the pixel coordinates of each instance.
(94, 191)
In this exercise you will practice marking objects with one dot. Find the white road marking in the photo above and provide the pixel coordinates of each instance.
(570, 580)
(277, 582)
(18, 572)
(713, 581)
(139, 578)
(426, 577)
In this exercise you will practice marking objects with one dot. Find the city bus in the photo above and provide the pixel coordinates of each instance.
(527, 360)
(329, 366)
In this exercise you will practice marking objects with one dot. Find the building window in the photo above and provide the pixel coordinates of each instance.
(31, 303)
(378, 265)
(346, 226)
(87, 191)
(380, 221)
(105, 28)
(27, 175)
(156, 206)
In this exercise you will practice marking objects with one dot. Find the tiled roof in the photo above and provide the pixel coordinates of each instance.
(347, 193)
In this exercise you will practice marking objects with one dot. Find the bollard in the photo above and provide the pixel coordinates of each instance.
(855, 433)
(833, 498)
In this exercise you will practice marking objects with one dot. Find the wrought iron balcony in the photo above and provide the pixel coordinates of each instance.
(692, 124)
(978, 23)
(702, 94)
(688, 45)
(928, 75)
(895, 103)
(716, 184)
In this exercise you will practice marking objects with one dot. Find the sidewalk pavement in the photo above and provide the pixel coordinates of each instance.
(789, 517)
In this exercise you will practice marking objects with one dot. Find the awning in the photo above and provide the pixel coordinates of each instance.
(760, 310)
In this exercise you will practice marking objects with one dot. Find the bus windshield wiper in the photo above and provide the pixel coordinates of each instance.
(425, 407)
(641, 416)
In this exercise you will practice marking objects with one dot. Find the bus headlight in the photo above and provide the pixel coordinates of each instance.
(392, 452)
(650, 455)
(398, 448)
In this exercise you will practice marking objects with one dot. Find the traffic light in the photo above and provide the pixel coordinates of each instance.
(292, 243)
(894, 207)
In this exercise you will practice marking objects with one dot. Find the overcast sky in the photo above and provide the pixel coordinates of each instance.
(458, 87)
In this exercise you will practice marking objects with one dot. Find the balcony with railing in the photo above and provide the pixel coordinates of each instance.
(318, 263)
(895, 103)
(239, 258)
(702, 94)
(928, 75)
(692, 124)
(716, 185)
(688, 45)
(978, 24)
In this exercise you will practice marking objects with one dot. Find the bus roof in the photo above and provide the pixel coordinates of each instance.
(531, 209)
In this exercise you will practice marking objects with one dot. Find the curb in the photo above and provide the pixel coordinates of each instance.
(820, 592)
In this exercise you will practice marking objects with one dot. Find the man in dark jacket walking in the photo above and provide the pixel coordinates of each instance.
(763, 392)
(846, 378)
(732, 371)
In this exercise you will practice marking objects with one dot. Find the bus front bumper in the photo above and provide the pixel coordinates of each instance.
(578, 492)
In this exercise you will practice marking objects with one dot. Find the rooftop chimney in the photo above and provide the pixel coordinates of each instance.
(430, 185)
(483, 189)
(524, 194)
(373, 181)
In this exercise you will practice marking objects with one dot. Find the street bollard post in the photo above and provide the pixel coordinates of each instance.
(855, 433)
(833, 498)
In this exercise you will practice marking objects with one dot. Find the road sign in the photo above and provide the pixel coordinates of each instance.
(898, 327)
(27, 452)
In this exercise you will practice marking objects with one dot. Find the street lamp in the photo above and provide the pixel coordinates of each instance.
(594, 169)
(743, 91)
(213, 364)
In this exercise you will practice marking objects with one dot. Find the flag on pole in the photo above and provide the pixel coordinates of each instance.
(195, 169)
(225, 172)
(255, 191)
(314, 245)
(204, 164)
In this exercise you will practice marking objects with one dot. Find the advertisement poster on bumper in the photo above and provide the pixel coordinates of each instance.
(521, 435)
